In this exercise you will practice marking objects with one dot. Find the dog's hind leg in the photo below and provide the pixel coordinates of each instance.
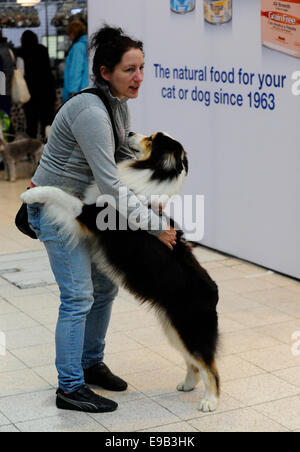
(211, 380)
(191, 380)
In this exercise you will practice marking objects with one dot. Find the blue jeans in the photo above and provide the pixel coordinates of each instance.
(86, 302)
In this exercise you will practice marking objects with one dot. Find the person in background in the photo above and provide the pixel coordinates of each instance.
(7, 67)
(40, 82)
(76, 76)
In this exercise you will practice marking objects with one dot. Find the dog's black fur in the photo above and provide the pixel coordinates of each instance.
(172, 281)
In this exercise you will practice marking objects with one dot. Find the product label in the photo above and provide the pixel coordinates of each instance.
(218, 12)
(280, 25)
(182, 6)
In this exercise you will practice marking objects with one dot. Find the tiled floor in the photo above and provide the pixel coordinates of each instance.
(259, 313)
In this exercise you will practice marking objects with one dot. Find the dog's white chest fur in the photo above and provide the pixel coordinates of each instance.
(140, 182)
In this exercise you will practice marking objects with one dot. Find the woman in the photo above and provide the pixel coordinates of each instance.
(40, 82)
(7, 68)
(81, 149)
(76, 76)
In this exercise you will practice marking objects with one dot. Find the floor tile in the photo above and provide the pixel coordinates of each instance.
(36, 356)
(151, 336)
(5, 307)
(126, 321)
(282, 331)
(123, 397)
(28, 337)
(32, 303)
(130, 362)
(48, 373)
(136, 415)
(185, 405)
(272, 358)
(285, 411)
(3, 420)
(225, 274)
(242, 420)
(9, 363)
(245, 285)
(15, 321)
(259, 389)
(156, 382)
(228, 325)
(281, 298)
(179, 427)
(169, 353)
(231, 367)
(46, 316)
(9, 429)
(243, 341)
(120, 342)
(65, 423)
(21, 381)
(259, 316)
(26, 407)
(231, 302)
(291, 375)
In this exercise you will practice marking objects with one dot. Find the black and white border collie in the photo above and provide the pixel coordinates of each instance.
(172, 282)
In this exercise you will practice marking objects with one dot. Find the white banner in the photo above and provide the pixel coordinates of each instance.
(234, 104)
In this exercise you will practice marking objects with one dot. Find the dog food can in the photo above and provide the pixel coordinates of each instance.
(218, 11)
(281, 25)
(183, 6)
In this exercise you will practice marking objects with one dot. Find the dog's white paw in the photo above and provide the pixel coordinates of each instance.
(184, 387)
(208, 404)
(28, 197)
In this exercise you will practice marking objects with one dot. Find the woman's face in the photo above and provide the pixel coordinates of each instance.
(128, 75)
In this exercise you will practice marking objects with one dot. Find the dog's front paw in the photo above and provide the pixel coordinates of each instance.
(184, 387)
(208, 404)
(27, 197)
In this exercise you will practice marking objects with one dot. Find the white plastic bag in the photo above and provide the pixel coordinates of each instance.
(19, 89)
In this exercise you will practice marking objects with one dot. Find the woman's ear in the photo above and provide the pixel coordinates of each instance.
(105, 73)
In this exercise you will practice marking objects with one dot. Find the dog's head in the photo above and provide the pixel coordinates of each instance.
(159, 152)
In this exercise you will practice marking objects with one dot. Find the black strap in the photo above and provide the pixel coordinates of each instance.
(104, 99)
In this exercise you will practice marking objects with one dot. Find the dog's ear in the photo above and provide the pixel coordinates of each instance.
(185, 163)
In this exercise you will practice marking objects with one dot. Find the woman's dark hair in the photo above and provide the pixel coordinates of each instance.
(110, 44)
(77, 27)
(29, 39)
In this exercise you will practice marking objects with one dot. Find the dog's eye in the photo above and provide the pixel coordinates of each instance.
(150, 138)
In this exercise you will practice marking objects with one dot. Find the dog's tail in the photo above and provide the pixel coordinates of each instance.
(60, 208)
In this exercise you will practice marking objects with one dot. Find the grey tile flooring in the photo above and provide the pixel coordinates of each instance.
(259, 313)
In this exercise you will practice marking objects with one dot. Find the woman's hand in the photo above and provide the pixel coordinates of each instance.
(168, 237)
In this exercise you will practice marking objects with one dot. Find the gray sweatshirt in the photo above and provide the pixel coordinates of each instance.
(81, 150)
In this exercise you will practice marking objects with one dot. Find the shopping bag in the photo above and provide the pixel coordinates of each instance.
(19, 89)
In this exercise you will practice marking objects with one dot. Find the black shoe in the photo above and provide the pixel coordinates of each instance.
(84, 400)
(100, 375)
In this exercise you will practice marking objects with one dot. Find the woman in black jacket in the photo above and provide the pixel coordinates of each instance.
(7, 67)
(40, 83)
